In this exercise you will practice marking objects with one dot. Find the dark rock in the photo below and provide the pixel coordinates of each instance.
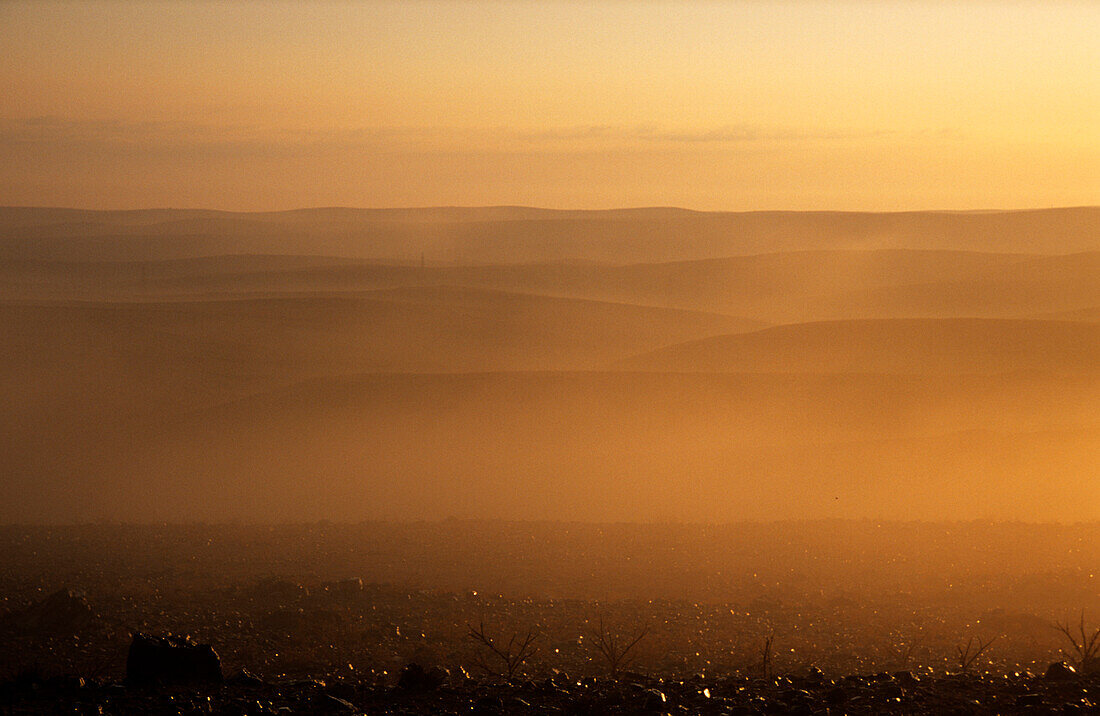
(1060, 671)
(245, 678)
(343, 690)
(489, 706)
(905, 678)
(836, 696)
(171, 659)
(1027, 701)
(654, 701)
(777, 706)
(891, 691)
(414, 677)
(329, 704)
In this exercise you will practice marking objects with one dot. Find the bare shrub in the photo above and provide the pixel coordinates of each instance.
(967, 657)
(767, 660)
(618, 650)
(503, 659)
(1086, 646)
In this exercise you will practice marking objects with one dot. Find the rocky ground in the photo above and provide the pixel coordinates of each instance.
(278, 622)
(899, 693)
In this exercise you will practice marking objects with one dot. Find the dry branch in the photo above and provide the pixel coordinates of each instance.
(511, 655)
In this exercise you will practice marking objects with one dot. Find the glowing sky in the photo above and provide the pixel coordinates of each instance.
(710, 105)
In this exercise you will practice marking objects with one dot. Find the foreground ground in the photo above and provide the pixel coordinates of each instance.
(900, 693)
(838, 617)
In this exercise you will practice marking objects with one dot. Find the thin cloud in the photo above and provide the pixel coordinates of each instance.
(182, 136)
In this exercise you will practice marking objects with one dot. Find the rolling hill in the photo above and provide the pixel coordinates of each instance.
(947, 346)
(650, 364)
(519, 235)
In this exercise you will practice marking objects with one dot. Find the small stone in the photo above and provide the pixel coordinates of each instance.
(488, 706)
(836, 696)
(245, 678)
(1026, 701)
(329, 704)
(414, 677)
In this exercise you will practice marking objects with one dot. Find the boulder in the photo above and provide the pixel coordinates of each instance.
(1060, 671)
(171, 659)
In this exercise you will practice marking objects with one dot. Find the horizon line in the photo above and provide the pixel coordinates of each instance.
(527, 207)
(454, 519)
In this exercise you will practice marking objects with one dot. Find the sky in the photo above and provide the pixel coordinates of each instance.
(846, 105)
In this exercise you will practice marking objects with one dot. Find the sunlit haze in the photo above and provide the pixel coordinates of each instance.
(708, 105)
(530, 358)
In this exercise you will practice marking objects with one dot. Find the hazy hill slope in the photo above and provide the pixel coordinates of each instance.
(82, 361)
(893, 346)
(788, 286)
(1084, 314)
(601, 446)
(185, 365)
(202, 275)
(778, 287)
(514, 235)
(1030, 286)
(13, 216)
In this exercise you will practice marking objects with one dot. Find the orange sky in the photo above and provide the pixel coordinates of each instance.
(710, 105)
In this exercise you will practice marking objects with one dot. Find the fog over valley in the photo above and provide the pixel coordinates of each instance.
(636, 365)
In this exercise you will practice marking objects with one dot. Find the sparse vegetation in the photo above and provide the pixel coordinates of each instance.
(1085, 644)
(503, 659)
(968, 656)
(618, 651)
(766, 657)
(905, 647)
